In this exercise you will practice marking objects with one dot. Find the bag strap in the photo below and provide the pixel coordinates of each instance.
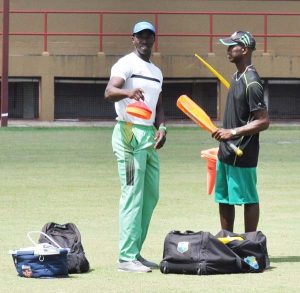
(47, 236)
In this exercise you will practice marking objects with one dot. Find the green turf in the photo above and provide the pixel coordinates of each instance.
(70, 175)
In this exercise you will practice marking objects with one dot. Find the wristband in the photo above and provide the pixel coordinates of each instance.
(164, 128)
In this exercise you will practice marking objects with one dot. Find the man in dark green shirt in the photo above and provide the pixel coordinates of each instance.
(245, 116)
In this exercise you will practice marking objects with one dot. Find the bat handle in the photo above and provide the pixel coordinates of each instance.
(237, 150)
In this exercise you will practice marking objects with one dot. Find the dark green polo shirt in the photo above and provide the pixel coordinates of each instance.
(246, 95)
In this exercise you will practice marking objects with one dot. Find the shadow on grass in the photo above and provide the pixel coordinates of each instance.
(78, 275)
(278, 259)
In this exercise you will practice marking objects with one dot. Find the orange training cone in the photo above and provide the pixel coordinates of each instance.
(210, 156)
(139, 109)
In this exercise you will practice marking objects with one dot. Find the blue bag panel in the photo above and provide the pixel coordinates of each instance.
(42, 266)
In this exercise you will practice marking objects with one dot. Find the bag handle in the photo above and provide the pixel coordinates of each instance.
(47, 236)
(186, 232)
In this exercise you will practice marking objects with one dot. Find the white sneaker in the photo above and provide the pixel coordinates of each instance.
(134, 266)
(147, 263)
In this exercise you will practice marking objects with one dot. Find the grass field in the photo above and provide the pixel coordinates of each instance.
(70, 175)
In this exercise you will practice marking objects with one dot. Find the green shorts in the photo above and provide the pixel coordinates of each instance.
(235, 185)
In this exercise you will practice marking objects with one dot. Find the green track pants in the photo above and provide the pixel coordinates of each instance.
(138, 167)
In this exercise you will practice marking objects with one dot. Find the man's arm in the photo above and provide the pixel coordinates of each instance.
(259, 123)
(159, 123)
(160, 114)
(115, 93)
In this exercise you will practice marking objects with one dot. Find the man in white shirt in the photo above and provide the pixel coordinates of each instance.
(135, 143)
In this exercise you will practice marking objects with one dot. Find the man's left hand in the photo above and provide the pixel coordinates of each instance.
(160, 139)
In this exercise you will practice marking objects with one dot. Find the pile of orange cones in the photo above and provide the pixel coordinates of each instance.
(210, 156)
(139, 109)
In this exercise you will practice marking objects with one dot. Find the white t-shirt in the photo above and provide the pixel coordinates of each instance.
(138, 73)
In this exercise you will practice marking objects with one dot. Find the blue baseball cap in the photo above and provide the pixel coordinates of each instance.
(143, 25)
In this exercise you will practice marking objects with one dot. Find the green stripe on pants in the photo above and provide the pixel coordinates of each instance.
(138, 167)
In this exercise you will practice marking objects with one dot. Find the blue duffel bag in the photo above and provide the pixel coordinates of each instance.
(41, 260)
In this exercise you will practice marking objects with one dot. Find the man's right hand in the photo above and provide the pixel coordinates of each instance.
(114, 91)
(136, 94)
(222, 134)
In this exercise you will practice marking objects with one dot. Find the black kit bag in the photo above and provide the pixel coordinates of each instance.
(68, 235)
(202, 253)
(198, 253)
(252, 248)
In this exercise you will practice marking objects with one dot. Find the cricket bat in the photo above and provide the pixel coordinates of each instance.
(199, 116)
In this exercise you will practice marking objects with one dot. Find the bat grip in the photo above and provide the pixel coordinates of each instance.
(237, 150)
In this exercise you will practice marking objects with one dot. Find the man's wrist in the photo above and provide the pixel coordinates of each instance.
(163, 127)
(233, 132)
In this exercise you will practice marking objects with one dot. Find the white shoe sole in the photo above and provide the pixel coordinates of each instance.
(128, 271)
